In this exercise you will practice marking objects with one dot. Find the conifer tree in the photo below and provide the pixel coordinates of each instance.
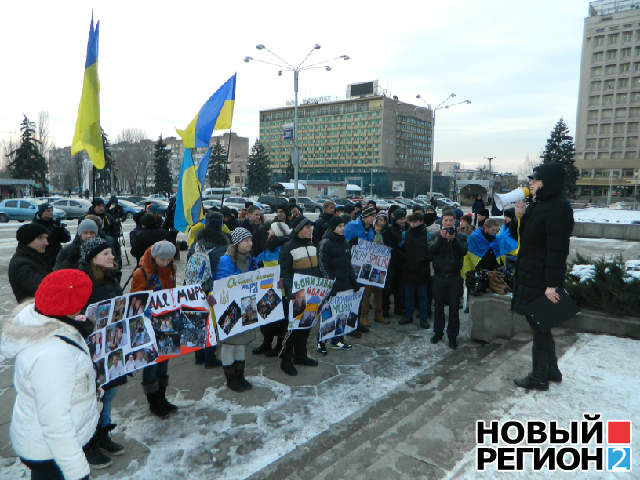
(163, 180)
(259, 175)
(26, 161)
(103, 177)
(560, 149)
(218, 172)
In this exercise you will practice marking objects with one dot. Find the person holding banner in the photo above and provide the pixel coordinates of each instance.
(56, 411)
(237, 260)
(298, 255)
(334, 260)
(156, 272)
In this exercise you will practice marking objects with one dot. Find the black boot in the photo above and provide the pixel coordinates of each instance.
(239, 366)
(436, 338)
(232, 379)
(453, 343)
(306, 361)
(155, 404)
(169, 407)
(95, 457)
(538, 378)
(210, 359)
(287, 366)
(555, 375)
(104, 442)
(530, 383)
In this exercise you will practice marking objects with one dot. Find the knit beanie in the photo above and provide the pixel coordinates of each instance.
(29, 232)
(335, 221)
(368, 211)
(96, 219)
(63, 292)
(163, 250)
(92, 247)
(240, 234)
(280, 229)
(302, 222)
(381, 215)
(87, 225)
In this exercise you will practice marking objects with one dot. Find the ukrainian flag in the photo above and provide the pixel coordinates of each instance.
(88, 135)
(477, 247)
(507, 243)
(188, 204)
(215, 114)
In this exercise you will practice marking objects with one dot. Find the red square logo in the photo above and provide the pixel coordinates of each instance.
(619, 432)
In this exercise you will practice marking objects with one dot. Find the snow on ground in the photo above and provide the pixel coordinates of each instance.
(606, 215)
(583, 272)
(599, 376)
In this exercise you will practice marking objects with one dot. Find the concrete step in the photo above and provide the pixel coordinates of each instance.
(422, 429)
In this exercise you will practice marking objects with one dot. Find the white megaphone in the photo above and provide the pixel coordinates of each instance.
(517, 195)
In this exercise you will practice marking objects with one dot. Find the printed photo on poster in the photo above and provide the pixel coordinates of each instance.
(115, 365)
(268, 303)
(116, 336)
(140, 358)
(370, 263)
(103, 311)
(137, 332)
(339, 314)
(101, 374)
(168, 343)
(194, 333)
(309, 295)
(137, 302)
(248, 308)
(119, 305)
(230, 317)
(299, 302)
(96, 344)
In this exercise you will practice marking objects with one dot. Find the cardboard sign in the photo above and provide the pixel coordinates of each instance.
(370, 263)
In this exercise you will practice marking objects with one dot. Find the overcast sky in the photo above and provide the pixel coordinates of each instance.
(518, 63)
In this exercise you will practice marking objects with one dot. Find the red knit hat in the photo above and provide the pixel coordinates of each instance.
(63, 292)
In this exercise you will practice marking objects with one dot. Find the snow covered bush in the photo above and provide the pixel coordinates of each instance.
(611, 286)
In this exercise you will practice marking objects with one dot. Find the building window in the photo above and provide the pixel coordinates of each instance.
(627, 172)
(616, 156)
(603, 143)
(590, 156)
(621, 112)
(597, 85)
(612, 54)
(597, 57)
(624, 68)
(618, 128)
(632, 142)
(607, 100)
(632, 127)
(609, 84)
(623, 82)
(634, 112)
(612, 39)
(597, 172)
(609, 69)
(607, 113)
(590, 143)
(598, 41)
(592, 115)
(630, 155)
(592, 129)
(605, 129)
(596, 71)
(618, 142)
(625, 52)
(635, 97)
(627, 36)
(585, 172)
(621, 99)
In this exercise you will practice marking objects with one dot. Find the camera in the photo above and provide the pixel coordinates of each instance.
(450, 231)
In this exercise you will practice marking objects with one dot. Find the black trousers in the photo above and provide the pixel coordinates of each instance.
(206, 355)
(543, 351)
(43, 469)
(272, 330)
(295, 346)
(446, 291)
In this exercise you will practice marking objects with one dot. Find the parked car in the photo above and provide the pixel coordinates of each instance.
(236, 203)
(22, 209)
(263, 207)
(73, 207)
(345, 202)
(132, 198)
(211, 204)
(159, 207)
(130, 208)
(404, 202)
(273, 201)
(445, 202)
(309, 205)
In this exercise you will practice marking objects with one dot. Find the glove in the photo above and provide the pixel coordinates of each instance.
(211, 300)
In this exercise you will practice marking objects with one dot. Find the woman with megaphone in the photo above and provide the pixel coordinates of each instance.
(545, 229)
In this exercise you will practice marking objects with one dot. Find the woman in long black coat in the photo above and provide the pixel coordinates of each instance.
(545, 229)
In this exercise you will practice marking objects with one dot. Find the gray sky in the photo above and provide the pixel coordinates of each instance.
(518, 62)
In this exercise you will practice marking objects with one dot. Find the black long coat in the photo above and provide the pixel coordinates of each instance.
(545, 229)
(334, 260)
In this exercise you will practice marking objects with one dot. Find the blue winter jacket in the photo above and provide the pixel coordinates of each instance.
(226, 267)
(355, 230)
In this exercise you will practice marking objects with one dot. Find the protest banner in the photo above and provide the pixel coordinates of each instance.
(340, 314)
(370, 263)
(143, 328)
(308, 293)
(247, 301)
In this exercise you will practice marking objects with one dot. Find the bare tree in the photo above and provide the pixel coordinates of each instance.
(7, 147)
(133, 158)
(527, 166)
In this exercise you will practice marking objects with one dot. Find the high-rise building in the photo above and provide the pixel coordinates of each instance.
(608, 117)
(368, 140)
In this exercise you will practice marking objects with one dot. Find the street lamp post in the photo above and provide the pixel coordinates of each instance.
(442, 104)
(295, 154)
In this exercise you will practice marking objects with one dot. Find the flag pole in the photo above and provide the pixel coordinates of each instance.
(224, 179)
(94, 182)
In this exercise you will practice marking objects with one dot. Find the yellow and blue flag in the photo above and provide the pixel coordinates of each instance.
(88, 135)
(477, 247)
(215, 114)
(188, 203)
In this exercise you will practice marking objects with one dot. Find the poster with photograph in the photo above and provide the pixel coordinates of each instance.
(308, 294)
(370, 263)
(339, 314)
(181, 320)
(247, 300)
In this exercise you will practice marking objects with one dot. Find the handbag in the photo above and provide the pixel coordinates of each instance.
(545, 314)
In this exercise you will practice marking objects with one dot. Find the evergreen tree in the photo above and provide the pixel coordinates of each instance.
(218, 172)
(27, 162)
(258, 170)
(560, 149)
(103, 177)
(163, 180)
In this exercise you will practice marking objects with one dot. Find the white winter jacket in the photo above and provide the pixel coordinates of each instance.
(56, 411)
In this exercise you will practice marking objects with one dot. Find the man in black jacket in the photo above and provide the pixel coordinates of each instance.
(395, 283)
(298, 255)
(328, 211)
(69, 256)
(447, 252)
(149, 233)
(28, 266)
(416, 271)
(58, 234)
(545, 229)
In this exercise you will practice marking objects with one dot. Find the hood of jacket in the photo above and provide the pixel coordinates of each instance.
(553, 178)
(164, 273)
(26, 327)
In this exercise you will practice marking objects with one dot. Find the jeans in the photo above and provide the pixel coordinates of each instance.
(43, 469)
(105, 415)
(155, 376)
(411, 291)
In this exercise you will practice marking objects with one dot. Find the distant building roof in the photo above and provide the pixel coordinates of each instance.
(16, 181)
